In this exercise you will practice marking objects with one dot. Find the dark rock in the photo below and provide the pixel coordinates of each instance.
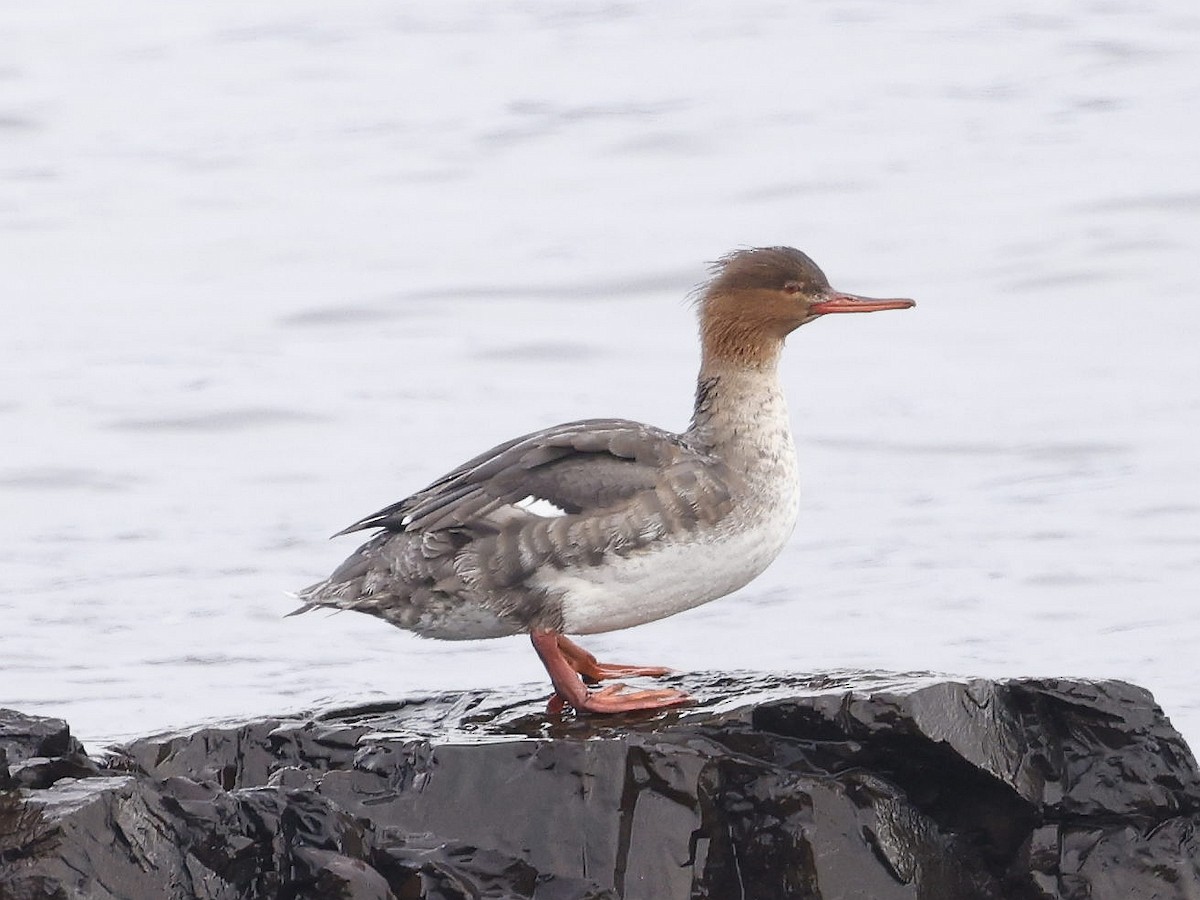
(22, 736)
(35, 752)
(855, 786)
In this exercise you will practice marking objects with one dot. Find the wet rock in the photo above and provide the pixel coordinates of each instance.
(854, 785)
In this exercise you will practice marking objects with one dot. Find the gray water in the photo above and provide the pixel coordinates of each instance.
(268, 267)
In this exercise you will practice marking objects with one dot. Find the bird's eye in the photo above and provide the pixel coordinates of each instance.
(792, 287)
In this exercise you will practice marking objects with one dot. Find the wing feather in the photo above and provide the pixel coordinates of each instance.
(593, 463)
(456, 559)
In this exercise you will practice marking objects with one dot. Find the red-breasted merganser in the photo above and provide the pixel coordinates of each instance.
(603, 524)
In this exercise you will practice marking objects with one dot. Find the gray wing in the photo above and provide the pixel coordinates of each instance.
(470, 538)
(577, 466)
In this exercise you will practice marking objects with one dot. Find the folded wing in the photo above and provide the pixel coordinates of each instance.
(570, 496)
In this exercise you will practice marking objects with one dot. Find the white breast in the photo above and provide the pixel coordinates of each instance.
(691, 568)
(675, 576)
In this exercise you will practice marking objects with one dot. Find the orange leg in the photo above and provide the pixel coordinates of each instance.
(570, 689)
(593, 670)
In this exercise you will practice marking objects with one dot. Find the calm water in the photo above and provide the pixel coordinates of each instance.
(267, 267)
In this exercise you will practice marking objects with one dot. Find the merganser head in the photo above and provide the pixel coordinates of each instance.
(757, 297)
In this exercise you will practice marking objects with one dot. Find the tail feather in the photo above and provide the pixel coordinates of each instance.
(307, 607)
(309, 598)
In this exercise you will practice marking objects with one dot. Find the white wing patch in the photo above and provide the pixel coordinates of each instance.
(540, 507)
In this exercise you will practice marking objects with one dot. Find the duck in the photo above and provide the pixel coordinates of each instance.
(603, 524)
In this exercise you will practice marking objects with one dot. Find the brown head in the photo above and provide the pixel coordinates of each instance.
(757, 297)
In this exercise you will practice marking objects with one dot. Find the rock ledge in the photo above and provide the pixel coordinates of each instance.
(843, 785)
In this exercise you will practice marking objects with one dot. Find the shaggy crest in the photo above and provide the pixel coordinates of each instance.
(761, 268)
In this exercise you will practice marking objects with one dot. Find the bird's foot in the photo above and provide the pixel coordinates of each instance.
(618, 698)
(593, 670)
(569, 665)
